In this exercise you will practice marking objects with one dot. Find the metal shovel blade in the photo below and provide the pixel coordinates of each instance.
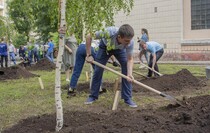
(172, 99)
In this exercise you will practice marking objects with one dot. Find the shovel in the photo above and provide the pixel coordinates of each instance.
(140, 74)
(152, 69)
(172, 99)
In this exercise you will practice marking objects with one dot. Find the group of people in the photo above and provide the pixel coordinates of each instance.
(34, 52)
(29, 53)
(117, 42)
(5, 51)
(155, 49)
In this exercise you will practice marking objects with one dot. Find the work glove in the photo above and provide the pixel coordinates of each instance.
(115, 64)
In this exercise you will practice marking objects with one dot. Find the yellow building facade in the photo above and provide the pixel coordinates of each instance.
(182, 26)
(2, 7)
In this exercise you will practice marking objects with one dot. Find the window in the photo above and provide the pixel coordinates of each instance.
(200, 14)
(155, 9)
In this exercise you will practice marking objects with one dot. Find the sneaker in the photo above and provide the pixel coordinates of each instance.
(90, 100)
(149, 76)
(103, 90)
(130, 103)
(71, 92)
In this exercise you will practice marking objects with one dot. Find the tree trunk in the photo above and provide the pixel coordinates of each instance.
(58, 100)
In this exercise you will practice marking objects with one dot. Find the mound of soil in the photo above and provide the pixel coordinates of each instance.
(15, 72)
(173, 82)
(43, 64)
(194, 117)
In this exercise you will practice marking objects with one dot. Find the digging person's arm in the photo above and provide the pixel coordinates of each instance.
(140, 56)
(129, 53)
(66, 47)
(153, 61)
(89, 57)
(130, 67)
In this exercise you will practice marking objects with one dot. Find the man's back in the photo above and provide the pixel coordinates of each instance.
(51, 47)
(3, 48)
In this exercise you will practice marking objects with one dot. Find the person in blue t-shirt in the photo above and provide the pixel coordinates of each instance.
(118, 42)
(145, 37)
(50, 49)
(156, 51)
(3, 53)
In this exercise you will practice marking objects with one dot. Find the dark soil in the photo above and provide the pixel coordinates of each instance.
(194, 118)
(43, 64)
(15, 72)
(173, 82)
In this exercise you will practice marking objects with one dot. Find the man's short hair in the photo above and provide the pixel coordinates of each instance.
(126, 31)
(142, 42)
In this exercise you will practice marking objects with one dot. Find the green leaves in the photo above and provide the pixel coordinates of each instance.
(6, 28)
(20, 13)
(92, 15)
(42, 16)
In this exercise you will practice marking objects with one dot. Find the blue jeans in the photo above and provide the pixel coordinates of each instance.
(12, 57)
(49, 55)
(102, 57)
(30, 55)
(36, 56)
(158, 55)
(79, 63)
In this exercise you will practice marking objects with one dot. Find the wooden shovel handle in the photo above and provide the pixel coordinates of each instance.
(151, 69)
(126, 77)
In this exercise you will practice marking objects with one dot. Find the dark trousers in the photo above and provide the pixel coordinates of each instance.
(4, 58)
(159, 53)
(79, 63)
(102, 57)
(36, 56)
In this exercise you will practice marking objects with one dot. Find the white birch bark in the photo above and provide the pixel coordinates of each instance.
(58, 100)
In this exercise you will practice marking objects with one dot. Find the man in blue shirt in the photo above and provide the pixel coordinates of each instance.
(118, 42)
(156, 51)
(49, 54)
(3, 53)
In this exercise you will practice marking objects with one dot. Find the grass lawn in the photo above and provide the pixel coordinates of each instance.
(23, 98)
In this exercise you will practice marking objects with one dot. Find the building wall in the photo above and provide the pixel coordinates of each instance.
(170, 26)
(192, 34)
(196, 43)
(164, 26)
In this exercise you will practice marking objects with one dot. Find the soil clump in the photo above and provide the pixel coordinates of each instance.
(15, 72)
(43, 65)
(194, 117)
(174, 82)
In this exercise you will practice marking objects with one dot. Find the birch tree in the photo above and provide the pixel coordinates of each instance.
(62, 32)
